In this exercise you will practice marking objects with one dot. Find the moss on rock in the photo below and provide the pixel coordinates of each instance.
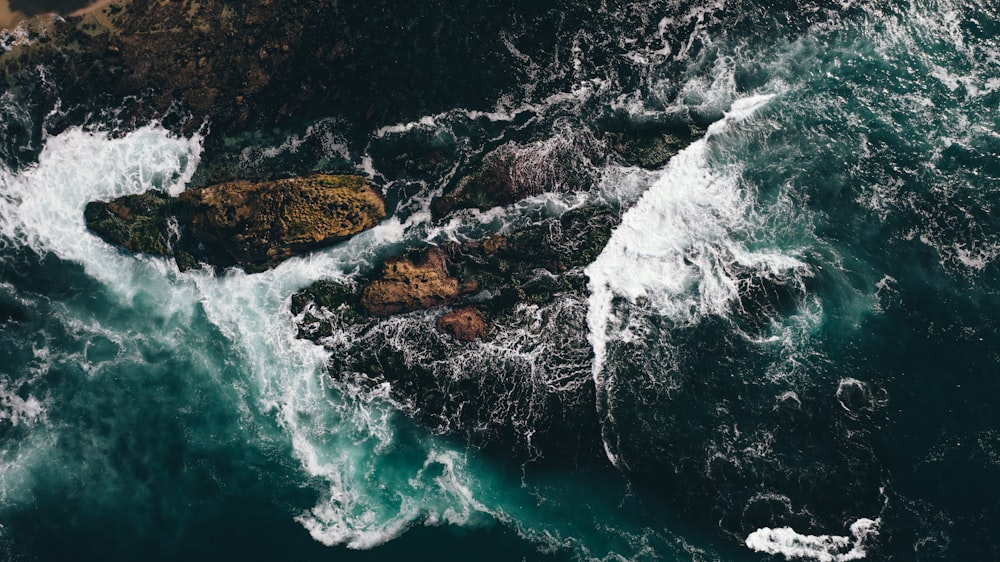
(139, 223)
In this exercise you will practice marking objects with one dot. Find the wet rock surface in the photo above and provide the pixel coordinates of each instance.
(652, 147)
(417, 282)
(252, 225)
(138, 223)
(485, 339)
(229, 67)
(261, 224)
(465, 324)
(515, 171)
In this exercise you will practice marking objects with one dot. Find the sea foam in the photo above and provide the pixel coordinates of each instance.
(677, 247)
(337, 439)
(823, 548)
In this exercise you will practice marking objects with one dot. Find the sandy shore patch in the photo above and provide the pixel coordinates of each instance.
(8, 19)
(100, 4)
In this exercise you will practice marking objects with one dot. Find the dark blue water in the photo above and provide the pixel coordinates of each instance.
(792, 335)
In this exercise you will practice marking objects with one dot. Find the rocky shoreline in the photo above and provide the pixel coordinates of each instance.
(456, 301)
(484, 338)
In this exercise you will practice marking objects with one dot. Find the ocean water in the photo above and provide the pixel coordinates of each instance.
(792, 334)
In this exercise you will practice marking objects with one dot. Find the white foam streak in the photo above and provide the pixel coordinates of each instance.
(823, 548)
(675, 242)
(577, 95)
(17, 410)
(42, 207)
(675, 249)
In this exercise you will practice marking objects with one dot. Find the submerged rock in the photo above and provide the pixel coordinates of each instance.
(651, 147)
(515, 171)
(565, 163)
(491, 185)
(252, 225)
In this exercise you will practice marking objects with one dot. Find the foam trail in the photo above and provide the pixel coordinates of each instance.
(42, 207)
(675, 248)
(17, 410)
(669, 242)
(823, 548)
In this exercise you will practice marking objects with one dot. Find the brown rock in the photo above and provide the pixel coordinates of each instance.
(466, 324)
(405, 285)
(494, 244)
(259, 224)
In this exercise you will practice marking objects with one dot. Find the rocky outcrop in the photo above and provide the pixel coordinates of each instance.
(652, 146)
(252, 225)
(531, 265)
(251, 66)
(491, 185)
(262, 75)
(474, 303)
(465, 324)
(515, 171)
(261, 224)
(408, 283)
(138, 223)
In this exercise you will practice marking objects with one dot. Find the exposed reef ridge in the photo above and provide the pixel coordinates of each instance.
(408, 284)
(465, 324)
(253, 225)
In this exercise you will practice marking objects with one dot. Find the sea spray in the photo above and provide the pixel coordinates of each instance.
(42, 208)
(676, 248)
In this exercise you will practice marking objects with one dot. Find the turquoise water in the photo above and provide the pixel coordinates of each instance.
(791, 334)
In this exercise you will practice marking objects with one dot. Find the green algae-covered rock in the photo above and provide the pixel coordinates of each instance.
(138, 223)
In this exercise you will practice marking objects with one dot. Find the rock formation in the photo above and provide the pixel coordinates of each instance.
(412, 283)
(465, 324)
(261, 224)
(460, 301)
(252, 225)
(652, 146)
(254, 77)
